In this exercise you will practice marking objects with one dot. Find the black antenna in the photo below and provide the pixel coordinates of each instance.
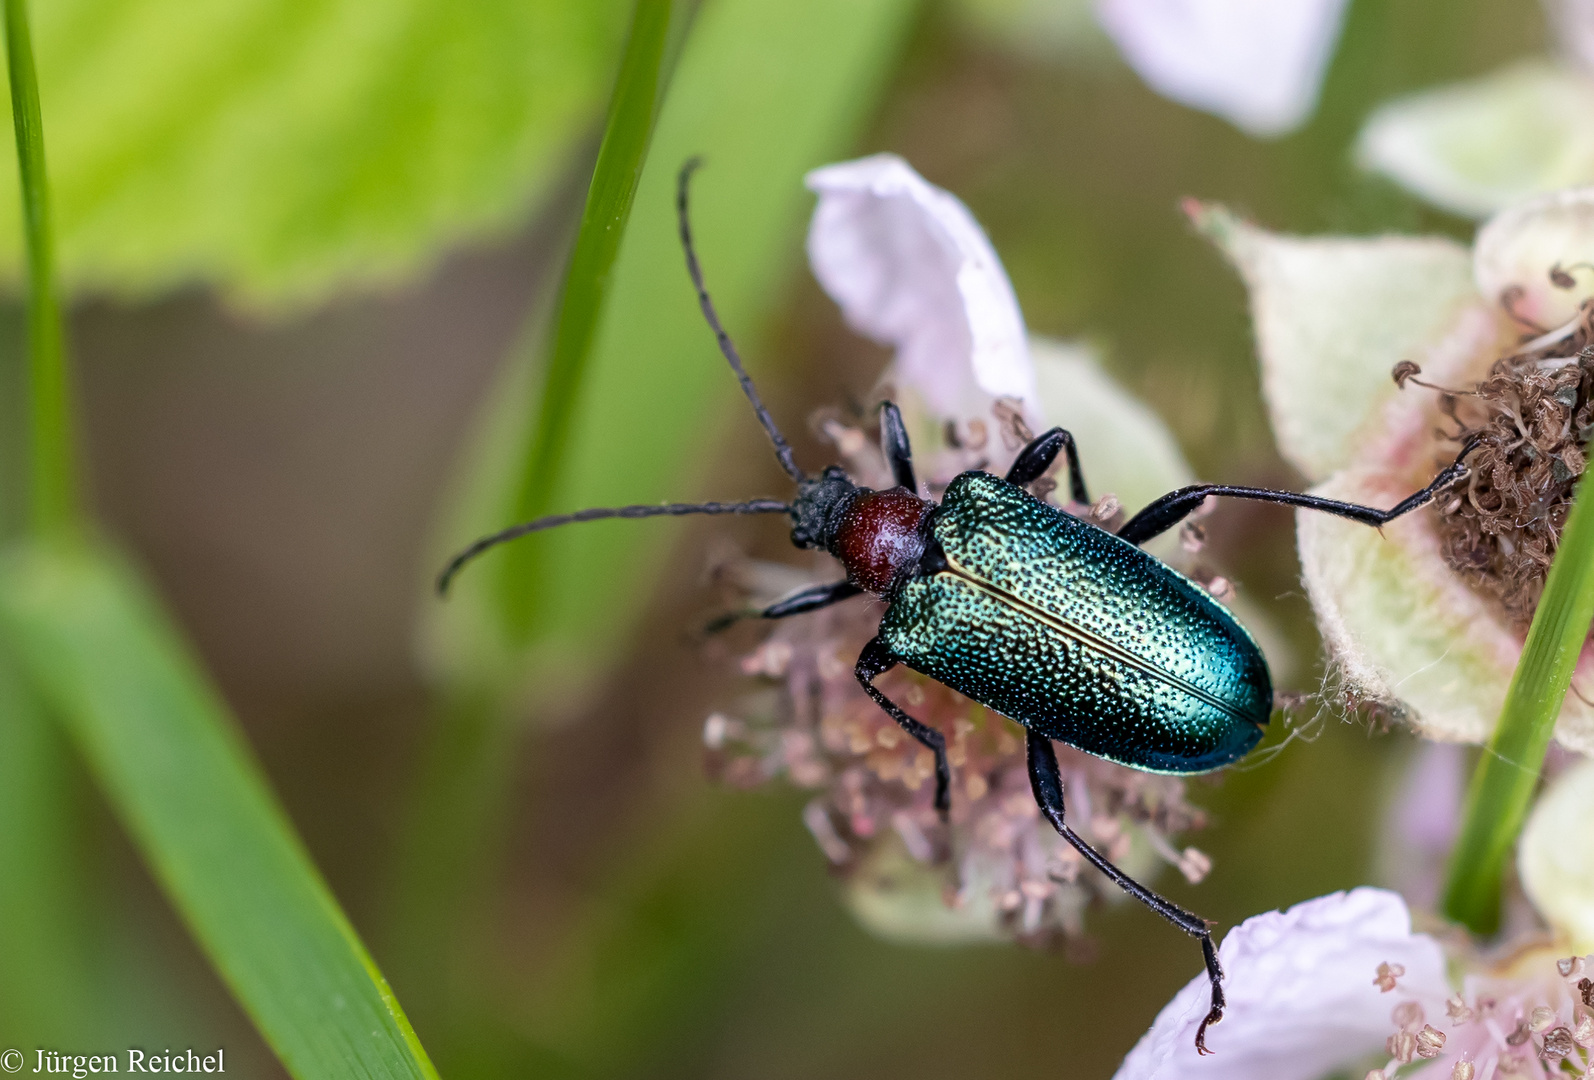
(752, 506)
(782, 447)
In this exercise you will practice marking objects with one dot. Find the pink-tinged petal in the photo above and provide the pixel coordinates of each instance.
(1423, 820)
(1257, 63)
(1429, 811)
(1401, 627)
(1302, 1000)
(911, 268)
(1517, 251)
(1333, 316)
(1555, 858)
(1478, 146)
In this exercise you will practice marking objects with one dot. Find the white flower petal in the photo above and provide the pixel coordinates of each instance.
(1400, 625)
(1302, 1002)
(1480, 145)
(1333, 315)
(1517, 249)
(911, 268)
(1257, 63)
(1556, 856)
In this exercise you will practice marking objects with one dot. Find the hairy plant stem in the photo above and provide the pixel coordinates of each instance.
(1508, 771)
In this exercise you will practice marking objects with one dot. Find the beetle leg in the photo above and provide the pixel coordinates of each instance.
(1047, 782)
(1033, 461)
(894, 444)
(812, 598)
(1175, 506)
(876, 658)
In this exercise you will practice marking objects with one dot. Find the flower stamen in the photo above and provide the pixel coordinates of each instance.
(1387, 974)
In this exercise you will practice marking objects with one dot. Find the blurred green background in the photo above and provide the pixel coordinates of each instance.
(275, 452)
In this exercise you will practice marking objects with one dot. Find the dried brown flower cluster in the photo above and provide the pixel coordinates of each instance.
(1533, 415)
(996, 869)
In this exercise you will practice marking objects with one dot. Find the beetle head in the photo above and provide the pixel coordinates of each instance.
(820, 507)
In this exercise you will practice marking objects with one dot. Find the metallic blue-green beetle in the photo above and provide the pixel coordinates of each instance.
(1073, 632)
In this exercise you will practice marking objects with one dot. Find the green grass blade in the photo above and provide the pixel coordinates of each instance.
(107, 661)
(639, 90)
(53, 497)
(77, 967)
(1508, 772)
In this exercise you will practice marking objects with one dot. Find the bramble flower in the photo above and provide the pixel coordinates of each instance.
(1380, 356)
(1475, 147)
(910, 267)
(1342, 984)
(1259, 64)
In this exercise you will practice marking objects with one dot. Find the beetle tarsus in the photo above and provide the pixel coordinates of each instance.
(1209, 954)
(1046, 780)
(1212, 1017)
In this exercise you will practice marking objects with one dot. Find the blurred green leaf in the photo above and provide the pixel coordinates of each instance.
(1508, 770)
(669, 937)
(43, 921)
(765, 91)
(279, 150)
(104, 657)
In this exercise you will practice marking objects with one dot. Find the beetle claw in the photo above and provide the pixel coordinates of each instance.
(1213, 1017)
